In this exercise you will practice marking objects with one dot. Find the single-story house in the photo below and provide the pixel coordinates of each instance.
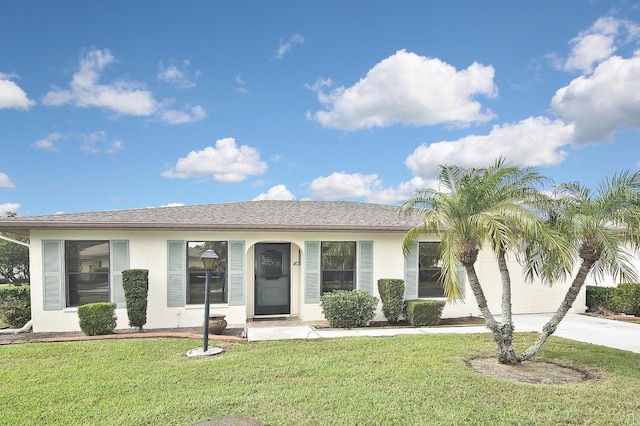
(275, 258)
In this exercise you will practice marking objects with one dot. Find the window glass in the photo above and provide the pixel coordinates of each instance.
(338, 266)
(429, 284)
(196, 275)
(87, 272)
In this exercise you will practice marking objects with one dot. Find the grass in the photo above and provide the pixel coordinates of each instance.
(405, 380)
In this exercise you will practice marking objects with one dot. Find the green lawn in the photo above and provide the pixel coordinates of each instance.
(406, 380)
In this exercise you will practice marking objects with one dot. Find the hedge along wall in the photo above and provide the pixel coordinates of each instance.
(15, 306)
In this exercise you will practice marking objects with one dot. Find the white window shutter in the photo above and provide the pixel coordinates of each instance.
(312, 271)
(462, 281)
(235, 271)
(52, 275)
(176, 273)
(365, 266)
(119, 262)
(411, 271)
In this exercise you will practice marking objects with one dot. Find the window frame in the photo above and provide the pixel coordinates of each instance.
(71, 296)
(432, 288)
(195, 267)
(338, 271)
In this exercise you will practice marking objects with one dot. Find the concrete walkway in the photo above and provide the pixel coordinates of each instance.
(582, 328)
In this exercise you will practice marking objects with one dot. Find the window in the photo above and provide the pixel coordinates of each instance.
(429, 284)
(338, 266)
(196, 274)
(86, 272)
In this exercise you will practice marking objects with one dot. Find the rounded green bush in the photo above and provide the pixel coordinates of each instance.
(348, 309)
(97, 318)
(626, 299)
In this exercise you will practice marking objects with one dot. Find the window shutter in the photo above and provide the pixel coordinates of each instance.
(312, 271)
(462, 281)
(119, 262)
(176, 273)
(236, 273)
(52, 275)
(411, 273)
(365, 266)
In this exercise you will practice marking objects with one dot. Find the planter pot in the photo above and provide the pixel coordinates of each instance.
(217, 323)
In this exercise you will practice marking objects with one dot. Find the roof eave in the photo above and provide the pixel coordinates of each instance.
(26, 226)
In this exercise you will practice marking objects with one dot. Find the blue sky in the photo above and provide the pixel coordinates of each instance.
(120, 104)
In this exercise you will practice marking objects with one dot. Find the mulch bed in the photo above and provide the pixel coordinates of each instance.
(229, 335)
(535, 371)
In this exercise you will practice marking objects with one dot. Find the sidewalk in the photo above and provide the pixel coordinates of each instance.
(582, 328)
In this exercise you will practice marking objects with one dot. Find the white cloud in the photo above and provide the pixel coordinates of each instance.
(6, 182)
(97, 143)
(120, 96)
(8, 208)
(173, 205)
(241, 85)
(593, 45)
(180, 77)
(123, 97)
(287, 45)
(401, 193)
(188, 115)
(601, 103)
(409, 89)
(48, 143)
(278, 192)
(534, 141)
(227, 163)
(341, 185)
(11, 95)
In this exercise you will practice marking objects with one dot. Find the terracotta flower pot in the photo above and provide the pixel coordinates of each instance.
(217, 323)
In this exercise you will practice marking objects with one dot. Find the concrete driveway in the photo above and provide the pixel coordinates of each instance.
(582, 328)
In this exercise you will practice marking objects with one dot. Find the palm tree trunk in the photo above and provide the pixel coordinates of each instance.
(551, 326)
(506, 354)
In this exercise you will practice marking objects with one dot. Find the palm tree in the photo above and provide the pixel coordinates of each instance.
(477, 206)
(603, 227)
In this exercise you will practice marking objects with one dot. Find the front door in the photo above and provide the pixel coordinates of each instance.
(272, 279)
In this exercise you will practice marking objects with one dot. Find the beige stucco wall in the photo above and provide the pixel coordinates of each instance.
(148, 250)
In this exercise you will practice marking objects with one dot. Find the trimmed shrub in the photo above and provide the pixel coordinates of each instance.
(424, 312)
(15, 306)
(392, 296)
(599, 298)
(97, 318)
(136, 287)
(348, 309)
(626, 299)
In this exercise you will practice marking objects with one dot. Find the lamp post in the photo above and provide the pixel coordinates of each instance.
(207, 259)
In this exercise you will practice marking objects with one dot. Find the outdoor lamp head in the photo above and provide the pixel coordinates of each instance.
(207, 258)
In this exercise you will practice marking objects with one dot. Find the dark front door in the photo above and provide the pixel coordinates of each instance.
(272, 280)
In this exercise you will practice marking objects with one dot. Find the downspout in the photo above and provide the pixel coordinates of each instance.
(11, 240)
(24, 329)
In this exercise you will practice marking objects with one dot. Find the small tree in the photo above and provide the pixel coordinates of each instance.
(14, 257)
(136, 287)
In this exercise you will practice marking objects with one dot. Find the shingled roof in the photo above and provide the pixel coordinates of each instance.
(251, 215)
